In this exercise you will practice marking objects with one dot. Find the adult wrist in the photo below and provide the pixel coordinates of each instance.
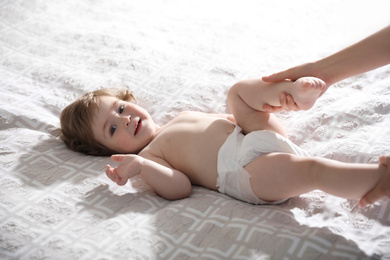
(324, 69)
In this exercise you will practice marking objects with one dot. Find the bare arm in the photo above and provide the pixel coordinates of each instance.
(167, 182)
(365, 55)
(370, 53)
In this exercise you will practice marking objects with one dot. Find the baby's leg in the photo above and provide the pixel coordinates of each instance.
(382, 188)
(279, 176)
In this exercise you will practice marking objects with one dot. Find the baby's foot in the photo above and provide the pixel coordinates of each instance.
(382, 188)
(306, 91)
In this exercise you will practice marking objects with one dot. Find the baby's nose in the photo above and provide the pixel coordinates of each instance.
(126, 120)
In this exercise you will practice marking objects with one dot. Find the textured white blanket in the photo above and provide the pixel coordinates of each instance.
(179, 55)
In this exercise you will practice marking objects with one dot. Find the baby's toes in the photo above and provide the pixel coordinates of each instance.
(308, 83)
(318, 83)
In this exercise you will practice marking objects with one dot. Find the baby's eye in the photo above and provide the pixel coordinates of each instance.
(112, 130)
(121, 108)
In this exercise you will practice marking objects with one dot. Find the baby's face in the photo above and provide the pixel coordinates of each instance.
(122, 126)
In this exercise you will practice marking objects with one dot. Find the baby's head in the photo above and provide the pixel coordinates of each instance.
(77, 118)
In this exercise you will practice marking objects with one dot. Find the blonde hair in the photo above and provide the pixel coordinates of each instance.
(76, 118)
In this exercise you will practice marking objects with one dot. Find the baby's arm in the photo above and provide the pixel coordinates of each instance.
(167, 182)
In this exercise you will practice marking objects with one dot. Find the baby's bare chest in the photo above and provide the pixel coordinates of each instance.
(191, 144)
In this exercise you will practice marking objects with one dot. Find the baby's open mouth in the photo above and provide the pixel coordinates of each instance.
(138, 127)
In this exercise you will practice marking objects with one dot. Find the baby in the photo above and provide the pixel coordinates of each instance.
(245, 155)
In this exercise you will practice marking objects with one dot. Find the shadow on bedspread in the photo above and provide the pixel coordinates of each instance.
(69, 207)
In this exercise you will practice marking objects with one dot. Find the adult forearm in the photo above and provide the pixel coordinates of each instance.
(368, 54)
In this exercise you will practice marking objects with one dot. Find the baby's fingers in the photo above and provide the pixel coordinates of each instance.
(110, 172)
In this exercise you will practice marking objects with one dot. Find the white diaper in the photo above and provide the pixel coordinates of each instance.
(237, 151)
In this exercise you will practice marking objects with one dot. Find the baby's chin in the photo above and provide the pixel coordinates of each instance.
(134, 150)
(128, 151)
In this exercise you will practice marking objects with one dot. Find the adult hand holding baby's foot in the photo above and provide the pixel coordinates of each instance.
(302, 94)
(287, 103)
(382, 188)
(130, 166)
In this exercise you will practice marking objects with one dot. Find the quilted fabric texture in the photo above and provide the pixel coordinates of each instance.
(177, 56)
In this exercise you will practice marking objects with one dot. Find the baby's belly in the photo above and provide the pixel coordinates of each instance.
(196, 154)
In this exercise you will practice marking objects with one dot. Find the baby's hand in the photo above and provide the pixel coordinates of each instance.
(130, 166)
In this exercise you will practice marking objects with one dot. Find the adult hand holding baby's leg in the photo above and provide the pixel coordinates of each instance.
(130, 166)
(302, 94)
(287, 102)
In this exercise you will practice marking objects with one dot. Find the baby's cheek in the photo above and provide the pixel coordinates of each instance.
(123, 142)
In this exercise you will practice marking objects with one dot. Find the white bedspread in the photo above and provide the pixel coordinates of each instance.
(179, 55)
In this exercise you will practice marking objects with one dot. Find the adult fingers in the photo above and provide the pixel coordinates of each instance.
(287, 103)
(290, 103)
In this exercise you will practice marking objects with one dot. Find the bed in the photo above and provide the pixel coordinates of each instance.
(178, 56)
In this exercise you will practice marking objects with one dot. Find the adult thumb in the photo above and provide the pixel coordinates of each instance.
(278, 76)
